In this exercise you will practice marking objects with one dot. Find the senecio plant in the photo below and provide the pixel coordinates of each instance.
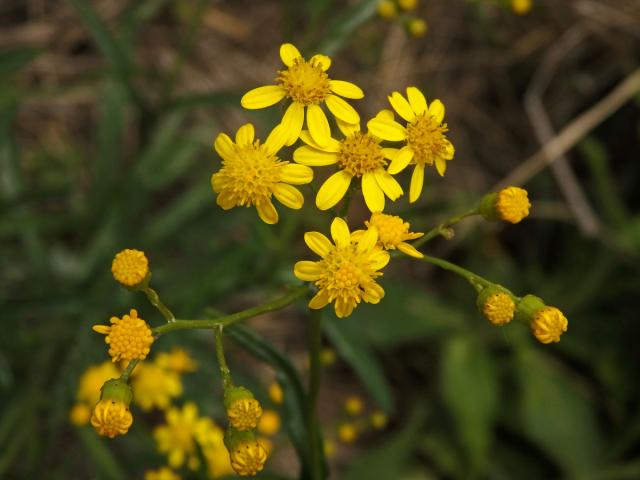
(410, 136)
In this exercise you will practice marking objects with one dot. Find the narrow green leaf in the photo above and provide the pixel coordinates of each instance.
(100, 454)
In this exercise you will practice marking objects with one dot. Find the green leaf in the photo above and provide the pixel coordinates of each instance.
(13, 60)
(469, 389)
(347, 340)
(389, 460)
(557, 415)
(343, 27)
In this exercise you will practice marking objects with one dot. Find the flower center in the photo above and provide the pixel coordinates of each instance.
(250, 175)
(392, 230)
(360, 153)
(427, 139)
(305, 82)
(346, 274)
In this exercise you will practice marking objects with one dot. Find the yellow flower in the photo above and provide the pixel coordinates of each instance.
(353, 405)
(111, 418)
(130, 267)
(244, 413)
(164, 473)
(512, 204)
(347, 271)
(252, 173)
(424, 135)
(177, 360)
(128, 337)
(393, 232)
(92, 380)
(247, 455)
(417, 27)
(387, 9)
(307, 85)
(79, 414)
(177, 438)
(155, 386)
(408, 4)
(269, 423)
(379, 420)
(327, 356)
(496, 305)
(521, 7)
(275, 393)
(211, 440)
(347, 433)
(549, 324)
(358, 155)
(329, 448)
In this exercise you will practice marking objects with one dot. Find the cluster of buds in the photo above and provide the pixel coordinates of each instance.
(403, 10)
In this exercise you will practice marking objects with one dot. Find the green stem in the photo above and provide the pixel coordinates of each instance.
(154, 298)
(129, 370)
(442, 228)
(222, 362)
(344, 208)
(476, 281)
(315, 374)
(226, 320)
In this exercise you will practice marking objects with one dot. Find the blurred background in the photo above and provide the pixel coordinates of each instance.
(108, 110)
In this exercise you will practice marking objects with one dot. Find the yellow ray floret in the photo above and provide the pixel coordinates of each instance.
(393, 232)
(347, 270)
(111, 418)
(130, 267)
(424, 136)
(252, 173)
(306, 84)
(128, 337)
(358, 155)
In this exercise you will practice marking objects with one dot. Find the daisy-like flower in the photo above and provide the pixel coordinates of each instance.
(358, 155)
(424, 135)
(393, 232)
(252, 173)
(307, 85)
(347, 270)
(155, 386)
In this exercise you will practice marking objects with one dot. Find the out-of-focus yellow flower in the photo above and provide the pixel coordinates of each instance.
(267, 444)
(496, 305)
(211, 440)
(247, 455)
(347, 271)
(307, 85)
(128, 337)
(177, 438)
(79, 414)
(329, 448)
(408, 4)
(154, 386)
(252, 174)
(164, 473)
(379, 420)
(92, 380)
(353, 405)
(347, 432)
(275, 393)
(177, 360)
(393, 232)
(327, 356)
(387, 9)
(521, 7)
(417, 27)
(358, 155)
(424, 135)
(130, 267)
(269, 423)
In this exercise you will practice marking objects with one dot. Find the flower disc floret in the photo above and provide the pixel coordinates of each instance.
(512, 204)
(347, 270)
(252, 173)
(360, 153)
(499, 308)
(244, 414)
(549, 324)
(393, 232)
(305, 82)
(111, 417)
(128, 337)
(130, 267)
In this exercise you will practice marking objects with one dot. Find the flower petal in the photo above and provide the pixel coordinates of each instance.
(346, 89)
(332, 190)
(292, 121)
(390, 153)
(225, 201)
(368, 240)
(320, 300)
(267, 212)
(347, 128)
(387, 129)
(318, 125)
(276, 139)
(340, 232)
(245, 134)
(288, 53)
(343, 307)
(416, 100)
(296, 174)
(449, 151)
(318, 243)
(417, 179)
(379, 259)
(401, 161)
(441, 165)
(224, 146)
(436, 109)
(262, 97)
(314, 158)
(288, 196)
(385, 113)
(410, 250)
(388, 184)
(322, 60)
(373, 195)
(333, 146)
(400, 105)
(341, 109)
(373, 293)
(307, 271)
